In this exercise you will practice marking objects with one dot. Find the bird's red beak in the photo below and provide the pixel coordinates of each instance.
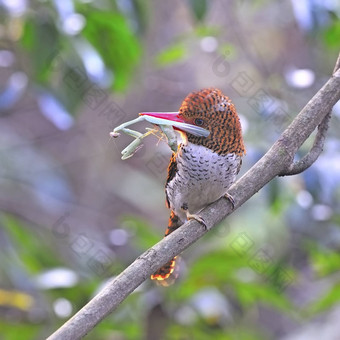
(173, 119)
(172, 116)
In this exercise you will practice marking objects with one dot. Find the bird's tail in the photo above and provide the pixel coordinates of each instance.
(167, 275)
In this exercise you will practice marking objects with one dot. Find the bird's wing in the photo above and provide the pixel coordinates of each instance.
(239, 167)
(172, 169)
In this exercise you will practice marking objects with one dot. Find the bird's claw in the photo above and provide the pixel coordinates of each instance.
(198, 218)
(230, 199)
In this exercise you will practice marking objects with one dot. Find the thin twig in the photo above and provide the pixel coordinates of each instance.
(274, 162)
(313, 154)
(319, 141)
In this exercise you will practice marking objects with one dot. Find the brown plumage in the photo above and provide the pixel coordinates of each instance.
(203, 168)
(219, 117)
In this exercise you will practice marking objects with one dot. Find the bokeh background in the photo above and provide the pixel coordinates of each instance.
(73, 214)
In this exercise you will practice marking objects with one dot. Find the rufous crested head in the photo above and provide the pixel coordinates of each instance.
(212, 110)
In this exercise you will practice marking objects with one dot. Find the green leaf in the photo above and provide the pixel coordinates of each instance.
(331, 35)
(203, 31)
(250, 293)
(331, 298)
(14, 331)
(202, 330)
(214, 269)
(143, 235)
(110, 34)
(199, 8)
(28, 36)
(31, 246)
(171, 55)
(222, 268)
(324, 261)
(38, 34)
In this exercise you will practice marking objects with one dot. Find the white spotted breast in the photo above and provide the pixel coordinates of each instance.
(202, 176)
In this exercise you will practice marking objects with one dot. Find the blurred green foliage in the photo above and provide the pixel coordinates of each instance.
(35, 31)
(110, 34)
(15, 330)
(199, 8)
(171, 54)
(144, 236)
(331, 35)
(108, 31)
(30, 245)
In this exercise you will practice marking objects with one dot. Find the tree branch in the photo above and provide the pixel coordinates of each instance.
(304, 163)
(276, 161)
(313, 154)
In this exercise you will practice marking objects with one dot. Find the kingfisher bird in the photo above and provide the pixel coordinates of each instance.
(204, 165)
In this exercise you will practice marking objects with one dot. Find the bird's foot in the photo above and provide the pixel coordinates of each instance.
(198, 218)
(230, 199)
(189, 216)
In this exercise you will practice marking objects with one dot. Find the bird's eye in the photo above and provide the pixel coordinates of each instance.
(199, 121)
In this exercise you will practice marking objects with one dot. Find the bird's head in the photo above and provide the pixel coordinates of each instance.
(211, 111)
